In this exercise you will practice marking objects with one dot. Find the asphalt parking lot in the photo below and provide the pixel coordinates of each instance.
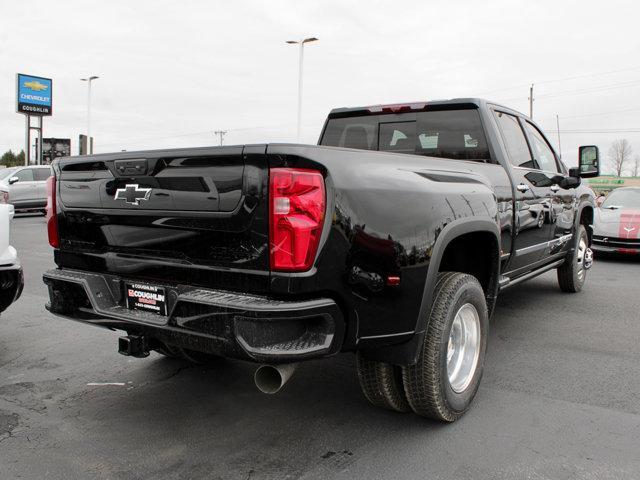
(560, 399)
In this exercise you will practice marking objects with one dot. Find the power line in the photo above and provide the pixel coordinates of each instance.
(137, 140)
(600, 88)
(597, 114)
(632, 83)
(609, 130)
(563, 79)
(588, 75)
(191, 134)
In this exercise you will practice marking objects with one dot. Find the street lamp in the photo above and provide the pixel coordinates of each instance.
(89, 80)
(301, 43)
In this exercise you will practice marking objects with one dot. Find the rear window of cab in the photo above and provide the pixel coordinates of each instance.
(454, 134)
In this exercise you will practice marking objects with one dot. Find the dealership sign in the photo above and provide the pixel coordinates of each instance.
(34, 95)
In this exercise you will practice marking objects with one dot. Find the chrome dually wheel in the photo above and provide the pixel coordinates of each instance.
(580, 258)
(445, 379)
(573, 272)
(463, 349)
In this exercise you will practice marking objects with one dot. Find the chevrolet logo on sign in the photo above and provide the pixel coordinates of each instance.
(35, 85)
(132, 194)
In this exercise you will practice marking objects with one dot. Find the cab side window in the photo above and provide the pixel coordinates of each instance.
(542, 151)
(25, 175)
(515, 141)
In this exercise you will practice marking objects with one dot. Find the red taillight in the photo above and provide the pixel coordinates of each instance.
(4, 196)
(297, 205)
(52, 217)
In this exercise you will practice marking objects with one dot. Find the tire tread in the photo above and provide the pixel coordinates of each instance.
(381, 384)
(567, 279)
(423, 382)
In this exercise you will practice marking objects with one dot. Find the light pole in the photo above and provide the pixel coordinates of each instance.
(89, 80)
(301, 43)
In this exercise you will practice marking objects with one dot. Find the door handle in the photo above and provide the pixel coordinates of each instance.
(523, 187)
(554, 188)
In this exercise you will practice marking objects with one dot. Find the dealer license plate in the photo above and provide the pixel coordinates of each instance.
(141, 296)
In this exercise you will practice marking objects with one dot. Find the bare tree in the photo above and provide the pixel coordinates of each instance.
(619, 153)
(635, 166)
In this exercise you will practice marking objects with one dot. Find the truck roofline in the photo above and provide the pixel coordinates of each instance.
(422, 105)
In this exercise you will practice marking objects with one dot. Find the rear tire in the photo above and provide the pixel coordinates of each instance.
(444, 381)
(381, 384)
(573, 272)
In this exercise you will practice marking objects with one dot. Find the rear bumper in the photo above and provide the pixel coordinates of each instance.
(11, 285)
(218, 322)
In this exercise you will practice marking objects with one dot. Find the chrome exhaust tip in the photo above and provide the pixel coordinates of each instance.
(271, 378)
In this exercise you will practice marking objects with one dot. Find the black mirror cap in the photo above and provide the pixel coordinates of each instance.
(588, 161)
(572, 181)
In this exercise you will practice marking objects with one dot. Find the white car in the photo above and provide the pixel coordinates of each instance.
(11, 278)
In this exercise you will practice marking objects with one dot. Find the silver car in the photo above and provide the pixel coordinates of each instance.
(25, 187)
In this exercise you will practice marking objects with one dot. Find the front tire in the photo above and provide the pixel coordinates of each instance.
(573, 272)
(444, 381)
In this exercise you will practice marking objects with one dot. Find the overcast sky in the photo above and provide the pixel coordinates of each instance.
(172, 72)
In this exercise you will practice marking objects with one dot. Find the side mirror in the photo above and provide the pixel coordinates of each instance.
(13, 180)
(572, 181)
(589, 161)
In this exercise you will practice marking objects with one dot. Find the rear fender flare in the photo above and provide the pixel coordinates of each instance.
(407, 353)
(577, 222)
(452, 231)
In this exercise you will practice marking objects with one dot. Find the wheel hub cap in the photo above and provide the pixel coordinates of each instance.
(584, 258)
(463, 348)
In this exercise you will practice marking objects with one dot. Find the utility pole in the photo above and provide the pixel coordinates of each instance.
(559, 144)
(531, 101)
(300, 67)
(221, 133)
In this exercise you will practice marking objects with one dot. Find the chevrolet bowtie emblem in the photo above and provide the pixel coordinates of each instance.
(132, 194)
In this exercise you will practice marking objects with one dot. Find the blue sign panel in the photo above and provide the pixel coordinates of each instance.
(34, 95)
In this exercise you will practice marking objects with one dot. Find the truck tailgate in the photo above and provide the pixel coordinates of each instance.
(192, 216)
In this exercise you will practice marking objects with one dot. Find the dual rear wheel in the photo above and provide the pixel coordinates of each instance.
(445, 379)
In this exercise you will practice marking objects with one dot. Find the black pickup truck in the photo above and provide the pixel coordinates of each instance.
(391, 238)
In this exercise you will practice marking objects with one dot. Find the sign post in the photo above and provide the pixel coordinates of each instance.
(33, 99)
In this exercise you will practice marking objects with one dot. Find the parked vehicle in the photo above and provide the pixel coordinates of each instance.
(281, 253)
(25, 187)
(617, 222)
(11, 279)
